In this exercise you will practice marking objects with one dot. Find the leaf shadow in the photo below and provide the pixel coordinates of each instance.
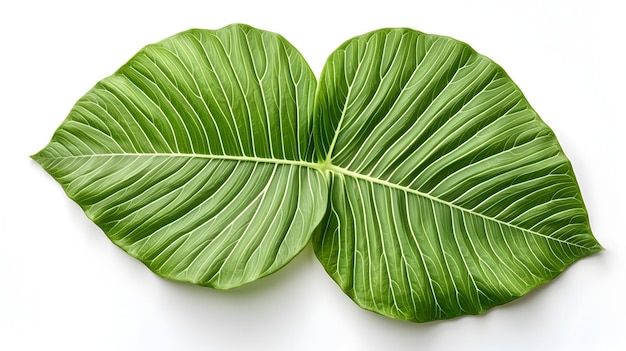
(255, 290)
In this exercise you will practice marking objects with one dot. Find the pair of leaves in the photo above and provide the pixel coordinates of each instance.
(435, 189)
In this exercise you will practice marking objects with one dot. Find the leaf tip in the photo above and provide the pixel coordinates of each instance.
(41, 156)
(38, 156)
(599, 248)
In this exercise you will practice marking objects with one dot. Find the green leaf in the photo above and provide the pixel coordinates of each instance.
(435, 188)
(448, 194)
(196, 156)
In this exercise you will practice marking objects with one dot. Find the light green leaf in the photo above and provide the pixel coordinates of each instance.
(448, 194)
(195, 156)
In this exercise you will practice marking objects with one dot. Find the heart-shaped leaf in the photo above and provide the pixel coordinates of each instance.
(448, 194)
(193, 156)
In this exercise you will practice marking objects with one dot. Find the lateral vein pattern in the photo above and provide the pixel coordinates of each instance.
(448, 193)
(196, 156)
(427, 184)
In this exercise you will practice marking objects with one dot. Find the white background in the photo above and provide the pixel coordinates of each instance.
(65, 286)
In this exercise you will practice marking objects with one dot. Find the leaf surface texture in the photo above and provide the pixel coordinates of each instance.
(448, 194)
(429, 185)
(195, 156)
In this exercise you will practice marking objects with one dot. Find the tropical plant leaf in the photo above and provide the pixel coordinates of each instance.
(448, 194)
(195, 156)
(440, 192)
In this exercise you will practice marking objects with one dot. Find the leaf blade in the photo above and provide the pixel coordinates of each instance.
(192, 161)
(463, 184)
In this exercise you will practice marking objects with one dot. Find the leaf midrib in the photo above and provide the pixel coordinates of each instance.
(346, 172)
(254, 159)
(324, 167)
